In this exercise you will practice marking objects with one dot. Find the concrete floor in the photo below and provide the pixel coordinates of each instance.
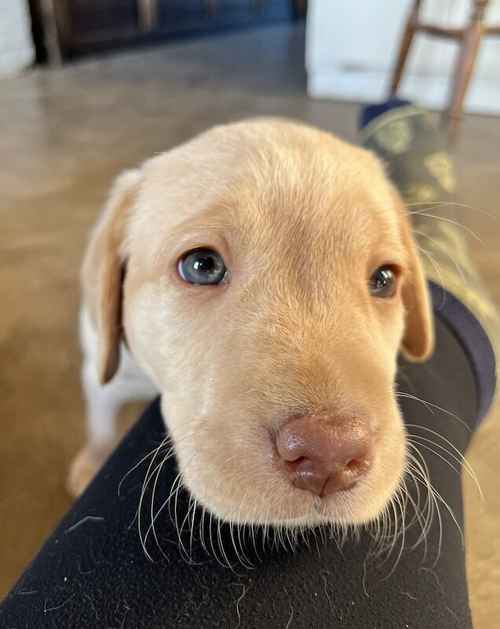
(65, 135)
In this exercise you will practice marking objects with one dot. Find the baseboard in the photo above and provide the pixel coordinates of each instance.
(429, 91)
(14, 61)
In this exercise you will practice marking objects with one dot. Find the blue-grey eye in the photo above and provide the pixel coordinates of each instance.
(202, 266)
(383, 282)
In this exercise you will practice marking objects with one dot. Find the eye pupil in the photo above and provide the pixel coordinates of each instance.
(383, 282)
(202, 266)
(383, 278)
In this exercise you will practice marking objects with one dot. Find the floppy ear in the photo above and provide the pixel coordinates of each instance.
(418, 338)
(103, 271)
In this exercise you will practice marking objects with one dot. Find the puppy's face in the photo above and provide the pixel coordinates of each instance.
(271, 280)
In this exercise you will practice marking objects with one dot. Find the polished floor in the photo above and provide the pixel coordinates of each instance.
(64, 135)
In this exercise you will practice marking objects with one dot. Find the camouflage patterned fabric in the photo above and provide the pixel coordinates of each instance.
(417, 161)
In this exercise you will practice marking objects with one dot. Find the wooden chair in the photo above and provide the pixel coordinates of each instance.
(469, 39)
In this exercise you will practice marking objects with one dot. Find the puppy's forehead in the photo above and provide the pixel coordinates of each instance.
(318, 191)
(269, 183)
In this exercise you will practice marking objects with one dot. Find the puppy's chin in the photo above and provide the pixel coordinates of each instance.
(353, 507)
(269, 499)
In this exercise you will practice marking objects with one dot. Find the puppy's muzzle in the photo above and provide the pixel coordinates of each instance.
(325, 454)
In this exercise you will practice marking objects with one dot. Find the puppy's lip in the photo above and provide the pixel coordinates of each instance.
(316, 510)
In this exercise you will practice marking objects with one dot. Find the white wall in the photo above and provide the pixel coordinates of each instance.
(351, 47)
(16, 46)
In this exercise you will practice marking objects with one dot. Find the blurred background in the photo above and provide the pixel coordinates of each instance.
(90, 87)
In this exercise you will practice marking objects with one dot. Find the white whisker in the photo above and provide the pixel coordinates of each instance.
(450, 220)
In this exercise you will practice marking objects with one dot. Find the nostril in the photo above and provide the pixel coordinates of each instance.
(354, 465)
(357, 467)
(293, 466)
(290, 446)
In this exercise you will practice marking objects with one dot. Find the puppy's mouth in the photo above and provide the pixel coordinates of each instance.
(332, 494)
(306, 471)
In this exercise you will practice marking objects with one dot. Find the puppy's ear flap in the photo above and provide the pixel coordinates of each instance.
(103, 272)
(418, 339)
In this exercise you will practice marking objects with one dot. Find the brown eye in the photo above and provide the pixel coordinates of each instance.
(383, 282)
(202, 266)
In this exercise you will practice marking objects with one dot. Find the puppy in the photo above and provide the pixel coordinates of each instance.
(264, 278)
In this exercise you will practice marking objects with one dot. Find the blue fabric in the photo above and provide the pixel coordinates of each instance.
(370, 112)
(473, 338)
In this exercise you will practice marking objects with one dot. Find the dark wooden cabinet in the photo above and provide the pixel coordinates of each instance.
(76, 27)
(91, 19)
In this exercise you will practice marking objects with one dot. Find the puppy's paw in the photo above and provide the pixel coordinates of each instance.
(84, 467)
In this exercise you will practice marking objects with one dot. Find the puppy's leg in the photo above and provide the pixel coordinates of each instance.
(103, 403)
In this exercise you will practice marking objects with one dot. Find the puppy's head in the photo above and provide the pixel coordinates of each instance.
(265, 276)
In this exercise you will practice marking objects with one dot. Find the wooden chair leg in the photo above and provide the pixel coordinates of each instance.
(147, 14)
(466, 61)
(52, 39)
(404, 49)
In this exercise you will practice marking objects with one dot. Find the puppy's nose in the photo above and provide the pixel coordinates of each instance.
(324, 454)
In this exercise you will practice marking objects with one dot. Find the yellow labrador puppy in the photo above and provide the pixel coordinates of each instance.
(263, 277)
